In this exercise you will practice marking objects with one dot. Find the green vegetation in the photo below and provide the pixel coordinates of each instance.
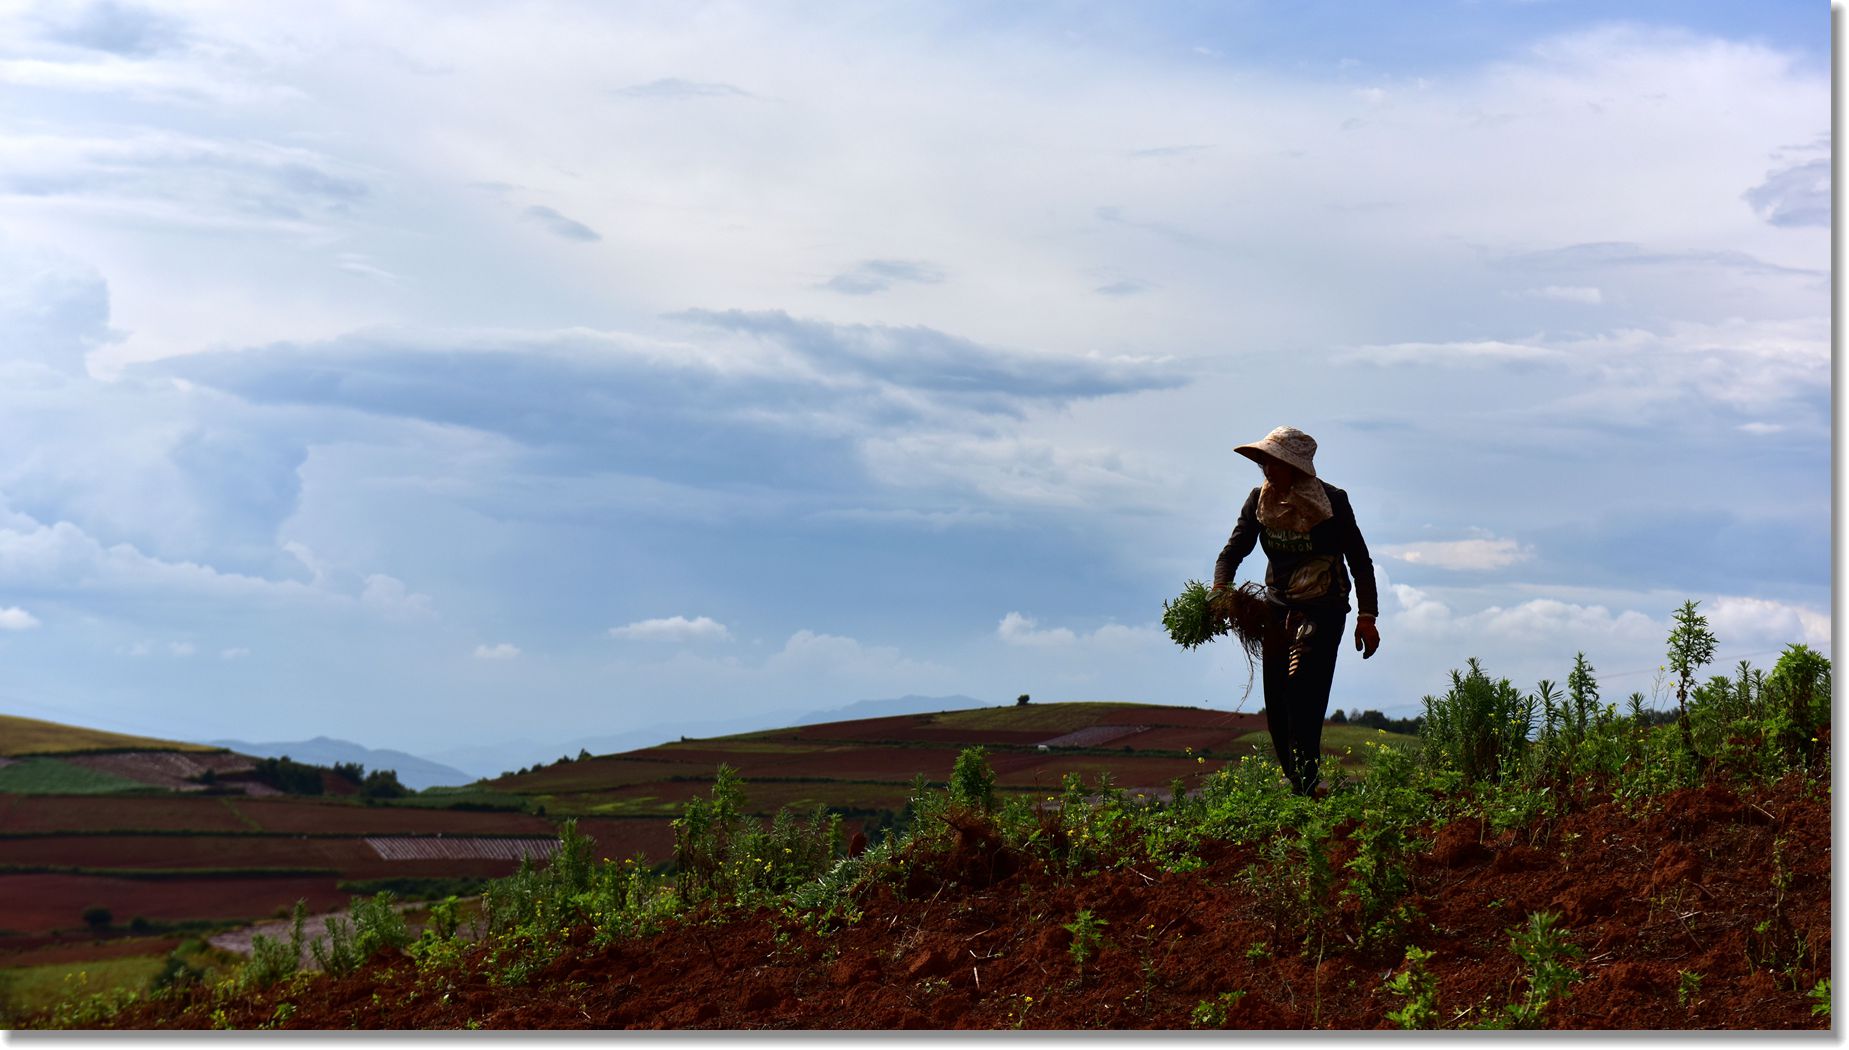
(414, 888)
(31, 736)
(1330, 876)
(49, 776)
(465, 799)
(26, 990)
(1087, 938)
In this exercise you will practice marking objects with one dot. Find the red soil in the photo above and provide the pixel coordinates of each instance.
(308, 818)
(40, 904)
(22, 813)
(185, 851)
(622, 839)
(973, 938)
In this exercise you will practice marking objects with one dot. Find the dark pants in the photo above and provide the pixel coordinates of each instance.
(1296, 703)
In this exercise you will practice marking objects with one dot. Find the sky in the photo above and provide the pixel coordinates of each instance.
(432, 374)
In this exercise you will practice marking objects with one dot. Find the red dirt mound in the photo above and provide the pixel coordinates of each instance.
(1707, 910)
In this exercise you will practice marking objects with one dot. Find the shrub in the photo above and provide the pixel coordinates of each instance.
(97, 917)
(1479, 727)
(272, 960)
(972, 782)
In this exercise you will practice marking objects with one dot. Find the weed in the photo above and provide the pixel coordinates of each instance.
(1017, 1015)
(1820, 998)
(1417, 991)
(1212, 1013)
(1543, 949)
(272, 960)
(972, 782)
(1086, 937)
(1479, 727)
(1688, 988)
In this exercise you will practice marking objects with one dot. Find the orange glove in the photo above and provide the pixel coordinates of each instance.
(1367, 637)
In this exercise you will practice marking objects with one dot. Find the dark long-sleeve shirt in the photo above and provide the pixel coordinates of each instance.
(1304, 570)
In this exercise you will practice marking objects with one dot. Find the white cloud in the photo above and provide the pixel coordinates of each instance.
(1761, 622)
(1565, 294)
(498, 651)
(182, 649)
(389, 595)
(674, 629)
(1476, 554)
(1025, 631)
(1468, 352)
(13, 618)
(810, 653)
(1017, 471)
(1016, 629)
(233, 654)
(1761, 428)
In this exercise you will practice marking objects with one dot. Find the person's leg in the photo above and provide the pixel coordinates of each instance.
(1309, 697)
(1276, 658)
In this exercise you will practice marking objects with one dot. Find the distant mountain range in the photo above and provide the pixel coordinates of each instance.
(493, 759)
(413, 772)
(463, 765)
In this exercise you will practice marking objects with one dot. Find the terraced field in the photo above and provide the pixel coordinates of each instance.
(98, 830)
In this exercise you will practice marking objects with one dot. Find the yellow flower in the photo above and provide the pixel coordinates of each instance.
(1027, 998)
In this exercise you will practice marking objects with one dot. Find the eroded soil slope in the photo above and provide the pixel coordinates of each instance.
(1708, 910)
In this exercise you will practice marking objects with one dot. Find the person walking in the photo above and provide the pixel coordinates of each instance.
(1307, 530)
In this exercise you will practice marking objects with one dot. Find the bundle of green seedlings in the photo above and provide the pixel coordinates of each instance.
(1198, 615)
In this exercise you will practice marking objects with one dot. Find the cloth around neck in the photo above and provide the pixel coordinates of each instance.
(1299, 508)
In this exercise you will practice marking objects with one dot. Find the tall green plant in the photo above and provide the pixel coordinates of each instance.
(1583, 691)
(1691, 647)
(1799, 688)
(972, 782)
(1479, 727)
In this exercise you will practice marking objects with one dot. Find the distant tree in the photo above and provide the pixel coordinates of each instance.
(285, 775)
(583, 753)
(1021, 701)
(383, 783)
(97, 917)
(351, 772)
(1372, 719)
(1338, 719)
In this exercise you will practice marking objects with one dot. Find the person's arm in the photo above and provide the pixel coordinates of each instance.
(1360, 565)
(1240, 544)
(1361, 568)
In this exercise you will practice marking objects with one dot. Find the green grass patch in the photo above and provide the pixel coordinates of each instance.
(463, 799)
(48, 776)
(1335, 738)
(413, 888)
(31, 736)
(28, 989)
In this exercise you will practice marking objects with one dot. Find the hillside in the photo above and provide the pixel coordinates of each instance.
(1390, 903)
(864, 768)
(1604, 873)
(413, 772)
(31, 736)
(170, 852)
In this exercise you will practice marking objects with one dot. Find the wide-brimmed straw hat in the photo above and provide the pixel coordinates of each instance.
(1286, 445)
